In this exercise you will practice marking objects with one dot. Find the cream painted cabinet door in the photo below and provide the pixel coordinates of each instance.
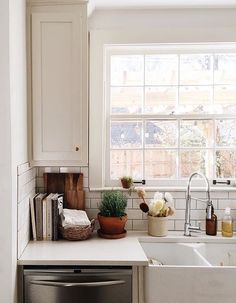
(59, 88)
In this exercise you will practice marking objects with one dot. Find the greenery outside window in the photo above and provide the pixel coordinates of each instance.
(170, 110)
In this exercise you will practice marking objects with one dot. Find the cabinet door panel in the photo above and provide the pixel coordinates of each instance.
(57, 90)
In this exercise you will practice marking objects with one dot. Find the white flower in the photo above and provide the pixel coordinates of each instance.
(168, 197)
(156, 206)
(159, 205)
(158, 196)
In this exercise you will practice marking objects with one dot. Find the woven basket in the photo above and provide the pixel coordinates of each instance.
(77, 233)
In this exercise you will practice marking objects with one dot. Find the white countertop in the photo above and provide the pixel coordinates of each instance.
(94, 251)
(98, 251)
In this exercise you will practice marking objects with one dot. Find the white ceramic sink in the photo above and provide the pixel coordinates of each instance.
(176, 254)
(202, 272)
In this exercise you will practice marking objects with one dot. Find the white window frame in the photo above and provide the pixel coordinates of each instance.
(98, 111)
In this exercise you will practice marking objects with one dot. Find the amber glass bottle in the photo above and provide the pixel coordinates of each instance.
(211, 223)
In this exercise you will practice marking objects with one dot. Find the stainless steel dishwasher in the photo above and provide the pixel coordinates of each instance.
(77, 284)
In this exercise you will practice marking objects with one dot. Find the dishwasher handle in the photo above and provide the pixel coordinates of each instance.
(77, 284)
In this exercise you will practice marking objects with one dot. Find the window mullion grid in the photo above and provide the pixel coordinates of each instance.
(143, 111)
(213, 157)
(214, 150)
(178, 121)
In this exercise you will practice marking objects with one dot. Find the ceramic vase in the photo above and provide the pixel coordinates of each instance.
(157, 226)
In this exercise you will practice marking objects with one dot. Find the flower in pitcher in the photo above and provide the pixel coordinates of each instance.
(159, 205)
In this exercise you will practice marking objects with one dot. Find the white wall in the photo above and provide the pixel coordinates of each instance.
(13, 135)
(179, 25)
(6, 258)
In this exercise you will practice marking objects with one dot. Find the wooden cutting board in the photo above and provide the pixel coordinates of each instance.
(71, 184)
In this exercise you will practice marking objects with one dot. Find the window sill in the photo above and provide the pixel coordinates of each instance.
(170, 188)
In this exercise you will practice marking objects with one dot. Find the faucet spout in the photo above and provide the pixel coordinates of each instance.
(187, 226)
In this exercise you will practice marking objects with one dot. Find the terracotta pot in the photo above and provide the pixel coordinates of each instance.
(157, 226)
(126, 184)
(112, 225)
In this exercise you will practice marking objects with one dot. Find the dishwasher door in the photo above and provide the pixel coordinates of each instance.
(78, 286)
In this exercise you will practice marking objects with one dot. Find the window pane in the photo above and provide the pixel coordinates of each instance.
(226, 132)
(160, 99)
(160, 164)
(126, 100)
(126, 134)
(126, 163)
(161, 69)
(127, 70)
(196, 133)
(225, 99)
(161, 134)
(195, 99)
(194, 160)
(226, 164)
(195, 69)
(225, 69)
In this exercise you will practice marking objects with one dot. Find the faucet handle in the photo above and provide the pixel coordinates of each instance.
(195, 228)
(199, 224)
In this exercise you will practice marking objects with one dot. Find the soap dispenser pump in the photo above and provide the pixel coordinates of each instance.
(227, 224)
(211, 220)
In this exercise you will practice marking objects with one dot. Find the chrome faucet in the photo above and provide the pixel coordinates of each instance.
(188, 228)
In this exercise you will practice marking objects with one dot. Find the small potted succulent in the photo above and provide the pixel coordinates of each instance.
(112, 217)
(126, 182)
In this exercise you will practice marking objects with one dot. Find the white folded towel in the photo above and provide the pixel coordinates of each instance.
(74, 217)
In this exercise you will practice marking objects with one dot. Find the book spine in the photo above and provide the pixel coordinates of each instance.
(49, 219)
(44, 219)
(32, 213)
(55, 219)
(39, 219)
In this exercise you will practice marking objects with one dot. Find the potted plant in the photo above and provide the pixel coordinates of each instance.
(126, 182)
(112, 217)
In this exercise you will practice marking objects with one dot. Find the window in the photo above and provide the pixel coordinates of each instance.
(170, 111)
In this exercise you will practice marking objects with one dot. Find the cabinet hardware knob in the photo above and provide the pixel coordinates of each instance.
(77, 148)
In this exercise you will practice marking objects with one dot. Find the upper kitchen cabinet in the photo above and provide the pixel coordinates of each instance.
(58, 94)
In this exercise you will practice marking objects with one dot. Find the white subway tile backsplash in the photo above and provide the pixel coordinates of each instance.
(171, 224)
(223, 203)
(23, 168)
(179, 214)
(129, 225)
(134, 214)
(94, 203)
(86, 182)
(70, 169)
(140, 225)
(232, 195)
(87, 203)
(26, 181)
(179, 225)
(93, 194)
(181, 204)
(137, 219)
(198, 214)
(129, 204)
(202, 205)
(42, 170)
(219, 195)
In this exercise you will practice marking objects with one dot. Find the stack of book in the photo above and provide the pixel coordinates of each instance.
(45, 210)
